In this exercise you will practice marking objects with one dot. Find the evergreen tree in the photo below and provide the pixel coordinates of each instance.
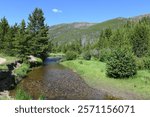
(38, 43)
(108, 33)
(104, 38)
(121, 64)
(20, 41)
(117, 39)
(10, 42)
(140, 40)
(4, 28)
(101, 40)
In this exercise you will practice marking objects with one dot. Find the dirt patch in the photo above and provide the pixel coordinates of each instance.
(2, 60)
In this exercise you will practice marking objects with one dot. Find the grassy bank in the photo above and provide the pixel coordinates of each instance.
(22, 70)
(9, 59)
(94, 73)
(22, 95)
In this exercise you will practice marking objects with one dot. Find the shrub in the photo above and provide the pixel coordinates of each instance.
(95, 54)
(147, 63)
(143, 63)
(121, 65)
(71, 55)
(87, 55)
(104, 55)
(140, 63)
(80, 62)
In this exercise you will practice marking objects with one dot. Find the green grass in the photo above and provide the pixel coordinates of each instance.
(94, 74)
(3, 67)
(9, 59)
(5, 98)
(22, 70)
(22, 95)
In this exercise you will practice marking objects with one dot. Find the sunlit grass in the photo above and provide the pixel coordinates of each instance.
(22, 70)
(94, 73)
(9, 59)
(22, 95)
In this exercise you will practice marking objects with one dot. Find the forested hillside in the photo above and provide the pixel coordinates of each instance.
(82, 30)
(86, 33)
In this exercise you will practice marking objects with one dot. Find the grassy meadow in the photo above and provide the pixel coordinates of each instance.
(94, 74)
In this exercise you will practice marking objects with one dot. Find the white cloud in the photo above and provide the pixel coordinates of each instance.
(56, 11)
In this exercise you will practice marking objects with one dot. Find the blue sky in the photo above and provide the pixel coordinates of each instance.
(66, 11)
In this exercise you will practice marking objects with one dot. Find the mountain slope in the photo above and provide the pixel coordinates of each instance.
(137, 18)
(65, 33)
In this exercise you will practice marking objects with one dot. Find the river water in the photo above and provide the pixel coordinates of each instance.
(56, 82)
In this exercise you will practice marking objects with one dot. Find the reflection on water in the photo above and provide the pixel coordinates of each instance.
(55, 81)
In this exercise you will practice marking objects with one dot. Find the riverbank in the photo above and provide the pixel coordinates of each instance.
(7, 78)
(5, 60)
(12, 71)
(94, 74)
(56, 82)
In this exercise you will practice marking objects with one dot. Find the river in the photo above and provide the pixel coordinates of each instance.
(56, 82)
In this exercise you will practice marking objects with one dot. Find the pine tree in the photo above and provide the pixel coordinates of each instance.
(140, 40)
(10, 42)
(38, 43)
(101, 40)
(108, 33)
(20, 41)
(117, 39)
(104, 38)
(4, 28)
